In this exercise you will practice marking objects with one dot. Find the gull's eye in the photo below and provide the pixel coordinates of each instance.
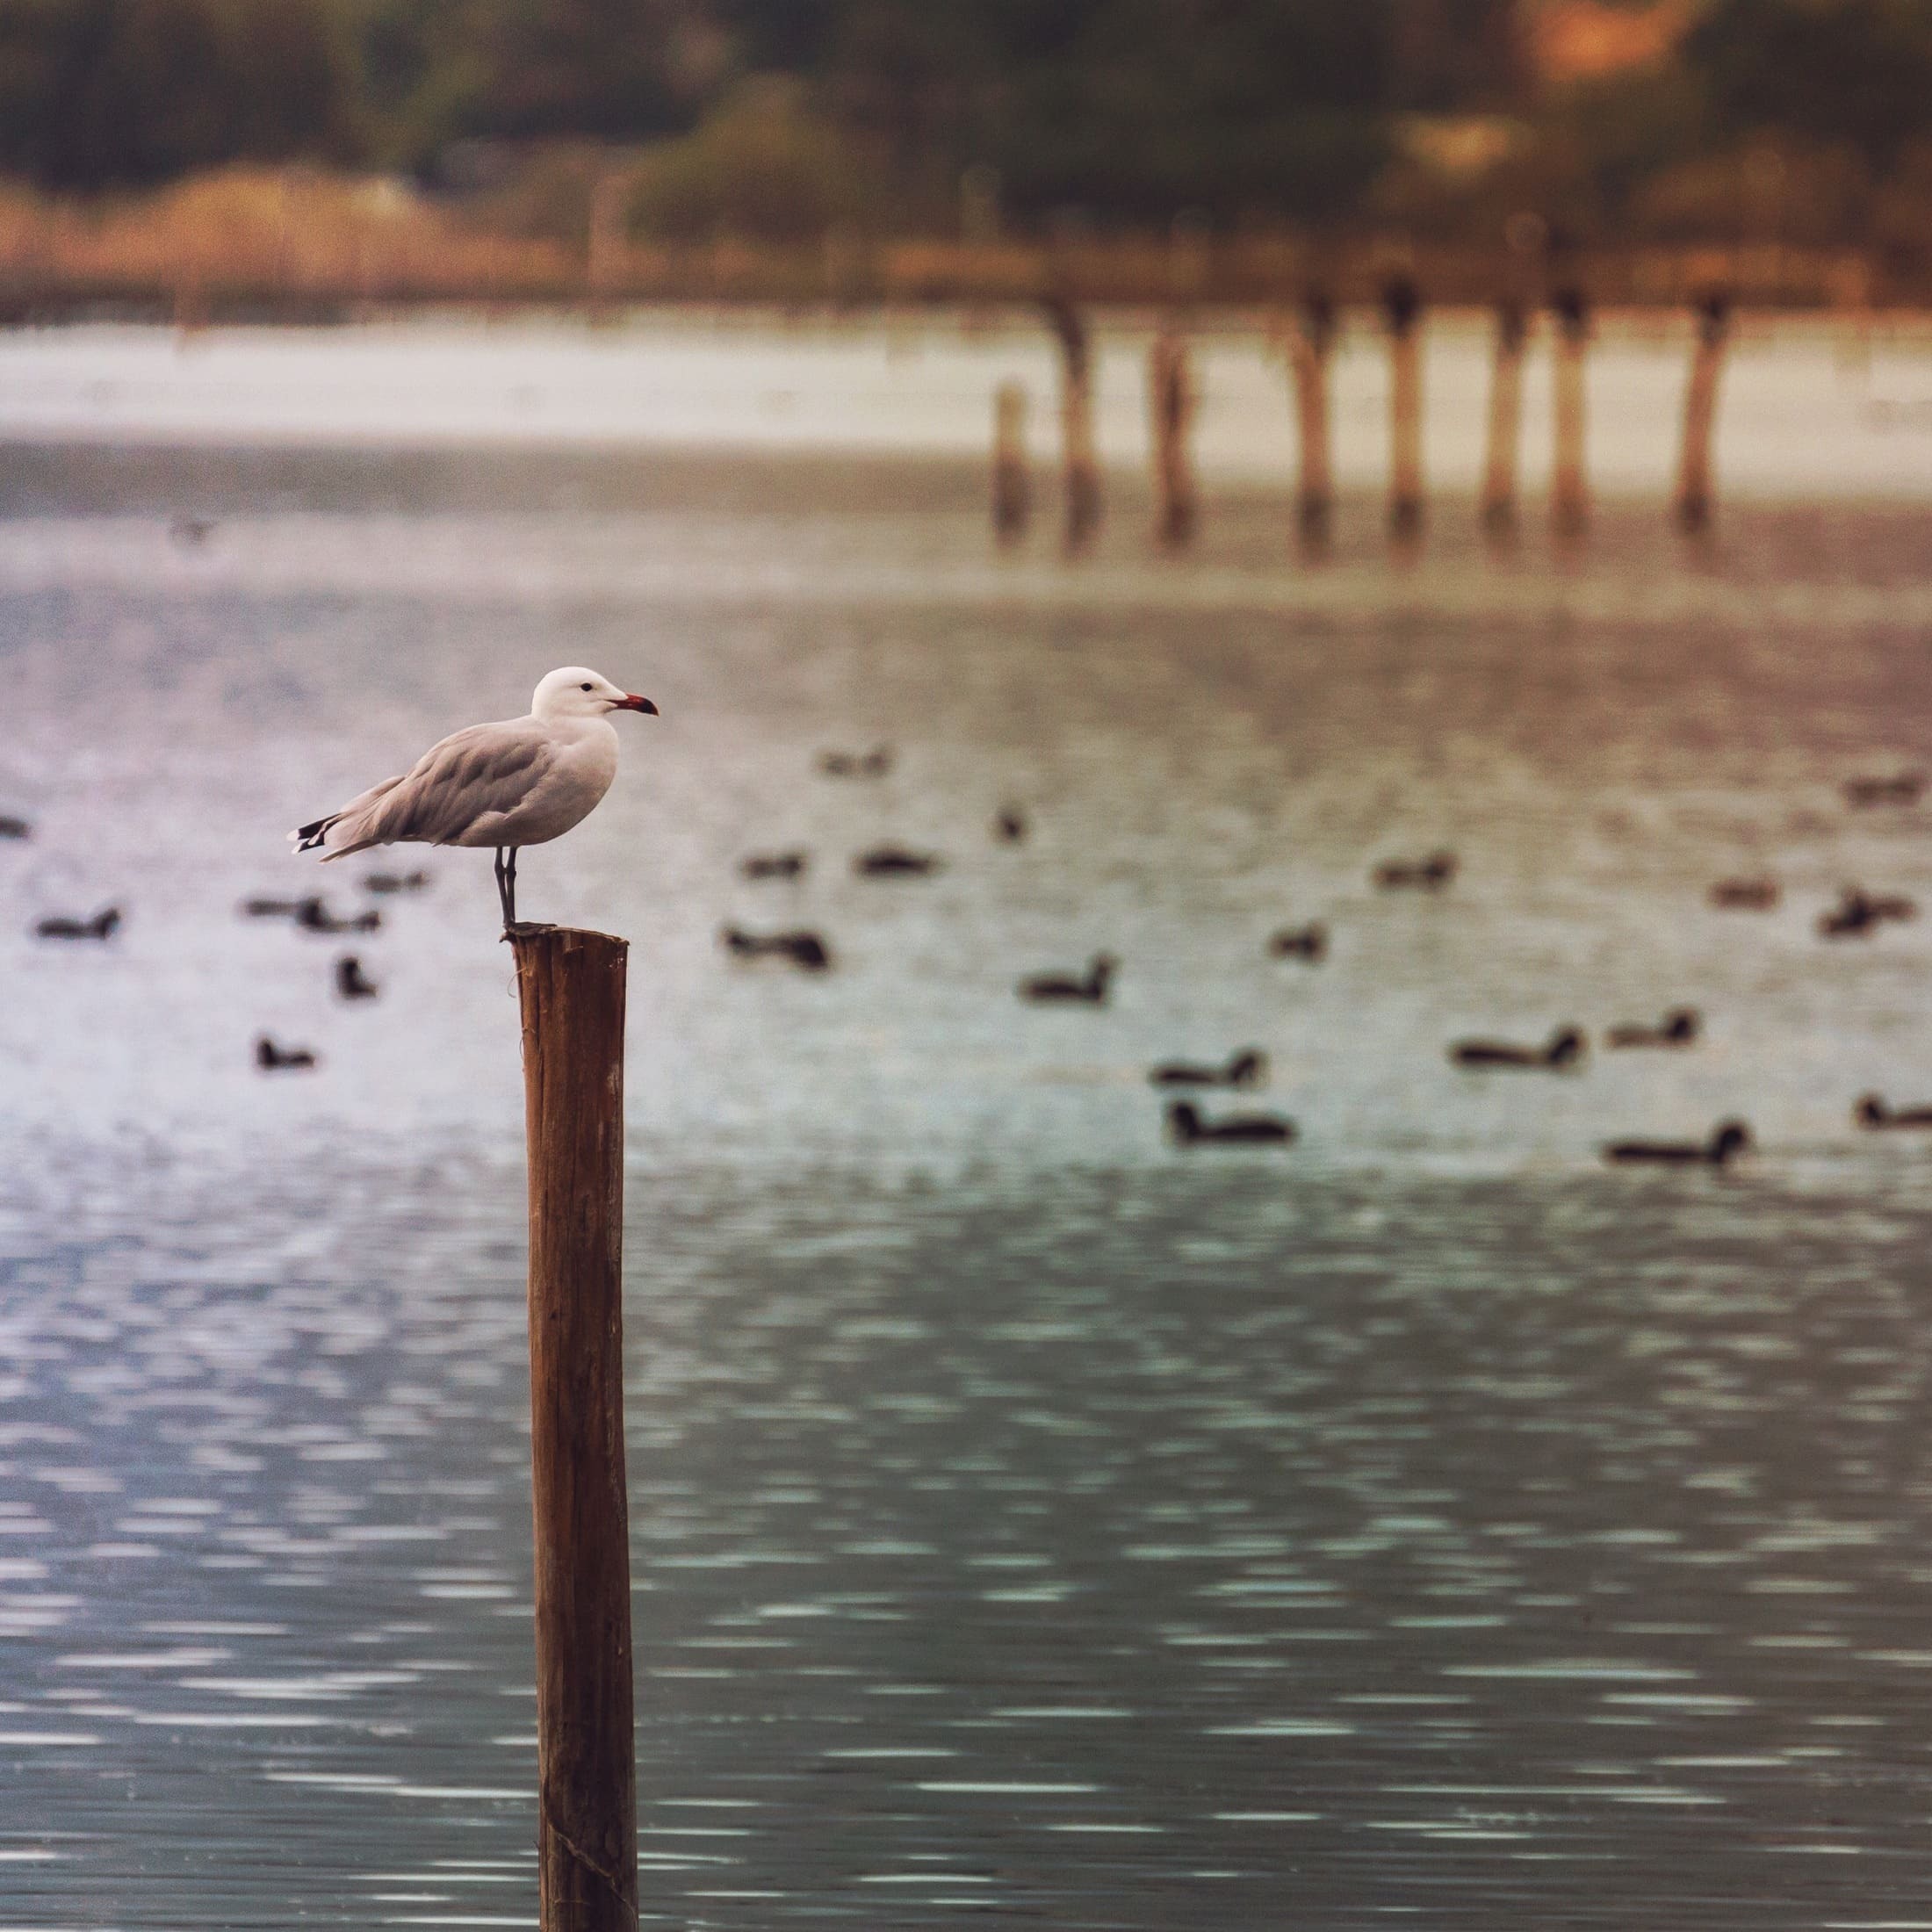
(583, 687)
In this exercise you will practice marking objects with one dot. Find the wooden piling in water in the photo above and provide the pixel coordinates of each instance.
(1505, 419)
(604, 242)
(1401, 310)
(1309, 345)
(1570, 486)
(1080, 468)
(1012, 482)
(572, 987)
(190, 305)
(1171, 401)
(1700, 409)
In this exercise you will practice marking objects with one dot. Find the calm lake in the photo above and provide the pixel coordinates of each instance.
(1032, 1519)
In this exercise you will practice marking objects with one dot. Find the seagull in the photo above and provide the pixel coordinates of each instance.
(523, 781)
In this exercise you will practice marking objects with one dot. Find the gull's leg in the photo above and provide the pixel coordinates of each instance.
(513, 885)
(505, 897)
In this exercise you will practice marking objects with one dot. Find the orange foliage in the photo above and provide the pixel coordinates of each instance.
(1586, 39)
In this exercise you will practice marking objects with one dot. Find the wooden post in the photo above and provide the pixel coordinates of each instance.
(1569, 489)
(191, 305)
(1171, 401)
(604, 247)
(572, 984)
(1013, 485)
(1505, 419)
(1401, 309)
(1081, 469)
(1308, 347)
(1700, 409)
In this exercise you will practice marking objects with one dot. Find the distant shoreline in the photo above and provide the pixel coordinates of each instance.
(66, 306)
(257, 251)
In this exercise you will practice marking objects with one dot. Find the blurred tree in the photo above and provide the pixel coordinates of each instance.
(1456, 54)
(1813, 197)
(424, 74)
(595, 68)
(1134, 109)
(1901, 215)
(1855, 72)
(1139, 108)
(911, 74)
(774, 35)
(764, 166)
(1129, 111)
(34, 37)
(106, 91)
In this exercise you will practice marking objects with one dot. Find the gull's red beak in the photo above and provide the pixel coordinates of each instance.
(632, 702)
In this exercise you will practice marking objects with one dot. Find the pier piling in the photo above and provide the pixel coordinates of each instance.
(1505, 419)
(1570, 486)
(1013, 481)
(1401, 310)
(1171, 401)
(604, 242)
(1309, 342)
(1081, 469)
(572, 988)
(1700, 408)
(190, 305)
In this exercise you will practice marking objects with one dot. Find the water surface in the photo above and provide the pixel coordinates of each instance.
(1030, 1519)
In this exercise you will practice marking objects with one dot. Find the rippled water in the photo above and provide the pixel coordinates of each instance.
(1030, 1519)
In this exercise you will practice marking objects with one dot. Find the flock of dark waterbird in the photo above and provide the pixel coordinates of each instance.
(349, 977)
(311, 914)
(1858, 914)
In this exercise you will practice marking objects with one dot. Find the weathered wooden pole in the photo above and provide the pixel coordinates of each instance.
(1171, 400)
(1569, 488)
(604, 244)
(1081, 469)
(1505, 419)
(1700, 410)
(572, 986)
(1309, 344)
(1012, 482)
(1401, 310)
(191, 305)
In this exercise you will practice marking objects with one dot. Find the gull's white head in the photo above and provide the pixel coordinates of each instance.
(574, 692)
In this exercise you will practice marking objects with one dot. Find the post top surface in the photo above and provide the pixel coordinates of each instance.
(528, 938)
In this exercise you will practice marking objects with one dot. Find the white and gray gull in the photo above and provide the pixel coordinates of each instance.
(523, 781)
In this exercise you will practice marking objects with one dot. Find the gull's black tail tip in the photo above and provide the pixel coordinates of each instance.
(306, 838)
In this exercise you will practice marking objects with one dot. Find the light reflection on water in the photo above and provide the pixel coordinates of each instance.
(1023, 1551)
(1028, 1519)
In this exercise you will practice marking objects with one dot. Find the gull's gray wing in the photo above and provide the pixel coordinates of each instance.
(482, 769)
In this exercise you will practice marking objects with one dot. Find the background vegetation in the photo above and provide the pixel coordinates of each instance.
(1806, 121)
